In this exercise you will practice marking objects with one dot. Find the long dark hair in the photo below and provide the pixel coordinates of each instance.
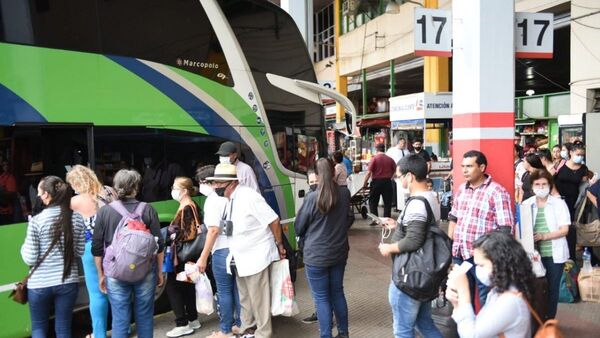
(512, 266)
(534, 161)
(60, 195)
(327, 193)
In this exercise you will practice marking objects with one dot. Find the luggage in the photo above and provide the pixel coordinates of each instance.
(441, 313)
(540, 297)
(568, 283)
(589, 285)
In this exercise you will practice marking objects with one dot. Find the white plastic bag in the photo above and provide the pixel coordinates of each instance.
(282, 290)
(536, 264)
(204, 295)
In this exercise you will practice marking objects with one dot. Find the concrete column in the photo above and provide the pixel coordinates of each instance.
(302, 13)
(484, 86)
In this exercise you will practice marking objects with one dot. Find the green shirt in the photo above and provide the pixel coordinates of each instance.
(541, 227)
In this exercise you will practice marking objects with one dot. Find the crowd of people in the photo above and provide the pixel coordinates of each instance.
(242, 236)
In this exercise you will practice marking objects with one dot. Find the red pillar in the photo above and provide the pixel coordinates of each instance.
(483, 86)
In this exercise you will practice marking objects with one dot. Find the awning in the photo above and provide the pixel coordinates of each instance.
(378, 122)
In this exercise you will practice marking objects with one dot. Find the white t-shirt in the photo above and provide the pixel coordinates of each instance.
(417, 210)
(396, 154)
(214, 210)
(252, 244)
(246, 175)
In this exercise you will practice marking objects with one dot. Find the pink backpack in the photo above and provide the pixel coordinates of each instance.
(130, 256)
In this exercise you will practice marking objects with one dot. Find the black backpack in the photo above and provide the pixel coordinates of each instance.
(420, 273)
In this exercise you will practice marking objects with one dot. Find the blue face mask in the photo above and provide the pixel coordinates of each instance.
(578, 159)
(564, 154)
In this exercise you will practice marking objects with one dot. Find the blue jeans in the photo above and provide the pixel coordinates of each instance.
(228, 297)
(327, 287)
(481, 288)
(98, 300)
(554, 273)
(408, 313)
(121, 295)
(40, 303)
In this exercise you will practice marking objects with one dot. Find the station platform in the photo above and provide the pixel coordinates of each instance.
(366, 283)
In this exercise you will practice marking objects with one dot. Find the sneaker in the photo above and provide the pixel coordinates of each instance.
(179, 331)
(342, 335)
(195, 325)
(235, 329)
(310, 319)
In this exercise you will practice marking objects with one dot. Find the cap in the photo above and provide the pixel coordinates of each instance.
(227, 148)
(224, 172)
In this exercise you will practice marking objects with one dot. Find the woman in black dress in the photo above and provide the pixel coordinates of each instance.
(568, 179)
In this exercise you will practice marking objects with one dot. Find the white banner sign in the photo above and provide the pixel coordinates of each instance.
(421, 106)
(433, 32)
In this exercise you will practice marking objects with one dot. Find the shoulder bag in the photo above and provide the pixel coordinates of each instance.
(587, 224)
(19, 293)
(548, 329)
(191, 250)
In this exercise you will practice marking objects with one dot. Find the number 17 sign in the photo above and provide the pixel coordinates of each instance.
(534, 33)
(433, 32)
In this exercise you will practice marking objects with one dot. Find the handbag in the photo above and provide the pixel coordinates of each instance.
(587, 224)
(19, 293)
(191, 250)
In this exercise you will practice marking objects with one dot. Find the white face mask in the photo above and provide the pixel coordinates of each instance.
(542, 192)
(564, 154)
(176, 194)
(206, 189)
(578, 159)
(482, 275)
(224, 160)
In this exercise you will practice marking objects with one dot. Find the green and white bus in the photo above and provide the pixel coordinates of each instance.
(154, 85)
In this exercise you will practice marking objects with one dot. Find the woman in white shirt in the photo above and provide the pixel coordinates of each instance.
(551, 222)
(502, 264)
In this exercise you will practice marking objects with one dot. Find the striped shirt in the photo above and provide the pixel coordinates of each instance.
(541, 227)
(39, 238)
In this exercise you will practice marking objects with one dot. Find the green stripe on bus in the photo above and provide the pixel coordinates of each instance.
(75, 87)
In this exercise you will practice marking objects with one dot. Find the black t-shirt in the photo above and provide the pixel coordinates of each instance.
(567, 183)
(424, 154)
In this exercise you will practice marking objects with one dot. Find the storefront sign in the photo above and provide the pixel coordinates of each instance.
(420, 106)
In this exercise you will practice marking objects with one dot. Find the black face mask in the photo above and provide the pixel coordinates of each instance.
(418, 148)
(221, 191)
(313, 187)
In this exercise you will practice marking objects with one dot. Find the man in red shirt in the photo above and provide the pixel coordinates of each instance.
(381, 170)
(8, 192)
